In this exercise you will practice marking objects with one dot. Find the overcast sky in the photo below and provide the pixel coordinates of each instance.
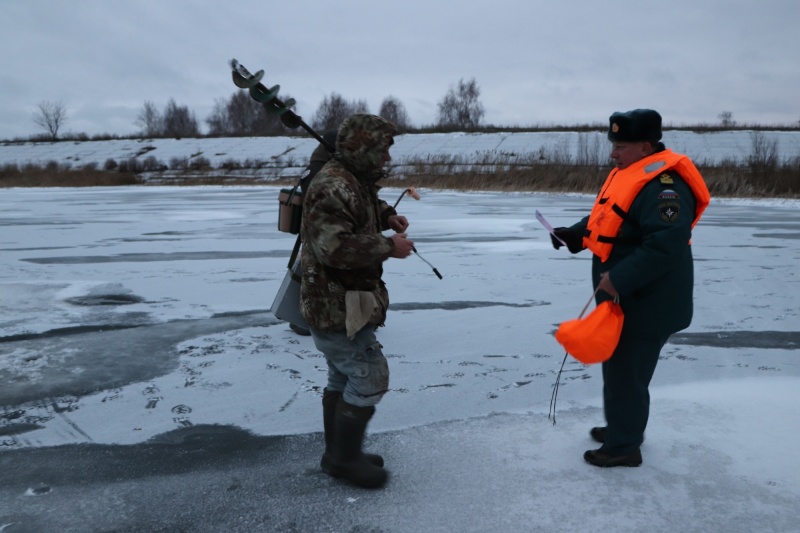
(535, 62)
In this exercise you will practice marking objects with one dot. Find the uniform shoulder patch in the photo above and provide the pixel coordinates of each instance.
(666, 179)
(669, 211)
(669, 206)
(668, 195)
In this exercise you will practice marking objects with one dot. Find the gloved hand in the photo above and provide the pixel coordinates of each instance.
(573, 238)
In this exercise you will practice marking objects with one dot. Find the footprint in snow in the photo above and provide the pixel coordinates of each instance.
(153, 402)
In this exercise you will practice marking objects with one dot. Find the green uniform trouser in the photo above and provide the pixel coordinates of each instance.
(626, 398)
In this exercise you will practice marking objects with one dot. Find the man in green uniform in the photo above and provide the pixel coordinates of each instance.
(639, 231)
(342, 295)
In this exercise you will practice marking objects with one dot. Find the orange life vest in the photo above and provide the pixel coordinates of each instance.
(621, 188)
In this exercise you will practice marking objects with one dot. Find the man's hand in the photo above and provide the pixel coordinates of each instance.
(402, 246)
(606, 285)
(573, 239)
(398, 223)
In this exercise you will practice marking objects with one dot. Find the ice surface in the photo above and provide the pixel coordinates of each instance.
(130, 313)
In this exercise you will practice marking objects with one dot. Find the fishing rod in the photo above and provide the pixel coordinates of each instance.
(415, 195)
(554, 395)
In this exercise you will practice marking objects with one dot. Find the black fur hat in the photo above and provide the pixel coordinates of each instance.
(634, 126)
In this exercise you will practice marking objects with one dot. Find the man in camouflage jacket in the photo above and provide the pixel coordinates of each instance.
(343, 297)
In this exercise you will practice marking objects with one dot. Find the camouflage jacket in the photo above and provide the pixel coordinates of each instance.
(343, 248)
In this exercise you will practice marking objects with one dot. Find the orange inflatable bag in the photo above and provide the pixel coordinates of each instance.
(594, 338)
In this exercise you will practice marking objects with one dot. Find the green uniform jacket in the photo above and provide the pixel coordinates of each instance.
(652, 267)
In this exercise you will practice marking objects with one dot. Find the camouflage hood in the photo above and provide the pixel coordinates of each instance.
(361, 143)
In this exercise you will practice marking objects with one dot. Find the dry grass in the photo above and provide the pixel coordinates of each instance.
(758, 179)
(53, 175)
(723, 181)
(543, 178)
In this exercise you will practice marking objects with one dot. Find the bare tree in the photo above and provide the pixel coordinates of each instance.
(150, 120)
(218, 121)
(235, 116)
(331, 112)
(393, 110)
(50, 116)
(359, 106)
(334, 109)
(179, 121)
(764, 154)
(726, 119)
(241, 115)
(461, 107)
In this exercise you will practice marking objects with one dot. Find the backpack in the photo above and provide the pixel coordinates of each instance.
(290, 208)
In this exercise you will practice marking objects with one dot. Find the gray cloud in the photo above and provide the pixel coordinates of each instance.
(536, 63)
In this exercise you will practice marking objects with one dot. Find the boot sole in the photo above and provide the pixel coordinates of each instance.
(606, 461)
(329, 468)
(352, 476)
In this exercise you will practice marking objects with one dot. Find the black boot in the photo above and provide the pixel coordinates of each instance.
(599, 434)
(600, 458)
(329, 401)
(347, 459)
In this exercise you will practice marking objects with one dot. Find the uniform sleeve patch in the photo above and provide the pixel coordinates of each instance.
(666, 179)
(669, 211)
(668, 195)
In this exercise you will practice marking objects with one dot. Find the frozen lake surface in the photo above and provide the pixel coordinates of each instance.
(136, 340)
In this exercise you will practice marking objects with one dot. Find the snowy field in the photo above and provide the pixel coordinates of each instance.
(130, 313)
(287, 156)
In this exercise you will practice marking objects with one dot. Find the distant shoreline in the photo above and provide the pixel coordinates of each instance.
(747, 164)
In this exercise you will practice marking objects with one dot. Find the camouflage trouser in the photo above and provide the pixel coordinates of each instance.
(357, 368)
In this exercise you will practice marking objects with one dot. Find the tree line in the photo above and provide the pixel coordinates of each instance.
(240, 115)
(460, 109)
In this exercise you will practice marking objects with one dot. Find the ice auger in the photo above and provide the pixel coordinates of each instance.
(243, 79)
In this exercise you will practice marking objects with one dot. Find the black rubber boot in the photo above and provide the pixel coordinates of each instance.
(330, 400)
(347, 459)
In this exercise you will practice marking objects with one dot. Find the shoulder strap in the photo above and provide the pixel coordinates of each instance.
(294, 192)
(295, 250)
